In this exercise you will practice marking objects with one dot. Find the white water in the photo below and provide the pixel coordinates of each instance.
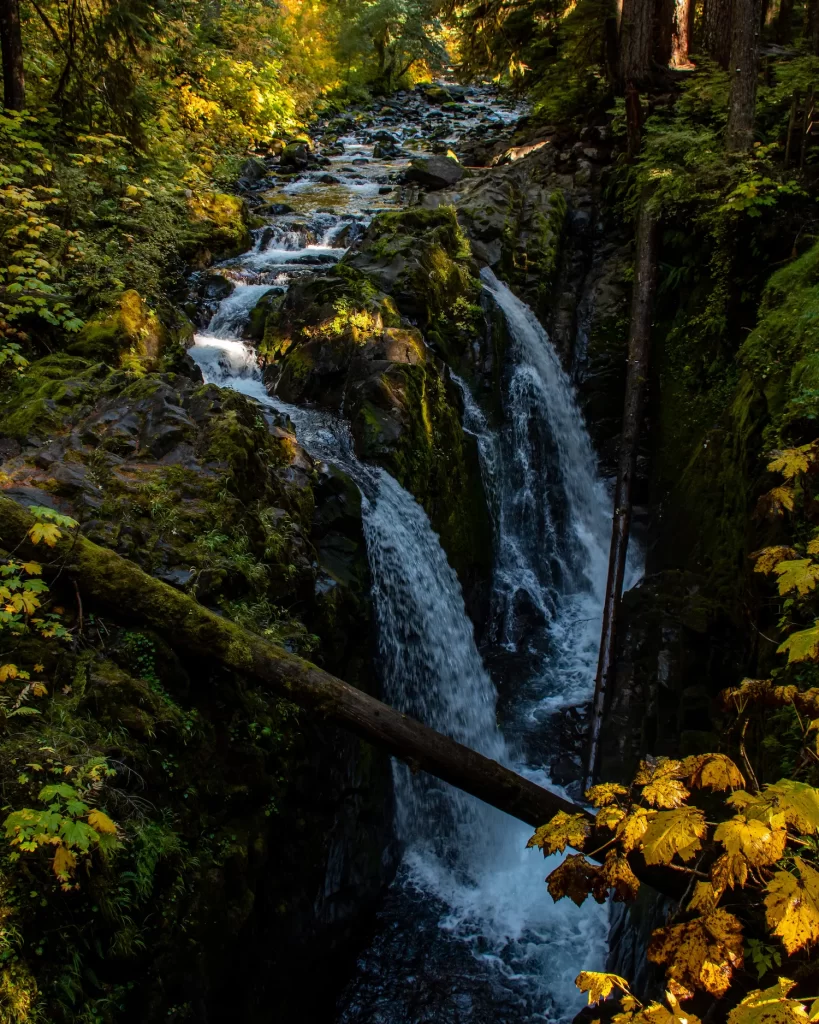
(551, 545)
(470, 856)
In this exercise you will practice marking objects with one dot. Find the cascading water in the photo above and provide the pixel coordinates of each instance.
(468, 933)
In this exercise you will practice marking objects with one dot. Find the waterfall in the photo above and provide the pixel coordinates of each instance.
(471, 935)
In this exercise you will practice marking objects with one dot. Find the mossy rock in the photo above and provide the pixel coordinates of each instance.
(217, 228)
(128, 334)
(50, 395)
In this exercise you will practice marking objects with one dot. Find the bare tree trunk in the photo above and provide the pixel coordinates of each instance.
(681, 33)
(636, 41)
(716, 30)
(784, 23)
(812, 25)
(639, 345)
(744, 68)
(11, 44)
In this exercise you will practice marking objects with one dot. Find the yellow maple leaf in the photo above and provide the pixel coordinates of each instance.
(25, 601)
(769, 1006)
(8, 672)
(38, 667)
(767, 559)
(617, 874)
(813, 546)
(803, 645)
(46, 532)
(760, 843)
(776, 502)
(599, 985)
(791, 462)
(662, 768)
(792, 906)
(699, 954)
(32, 568)
(674, 832)
(576, 878)
(39, 689)
(715, 771)
(800, 574)
(633, 827)
(100, 822)
(604, 794)
(729, 870)
(562, 831)
(666, 793)
(609, 817)
(64, 862)
(705, 899)
(786, 801)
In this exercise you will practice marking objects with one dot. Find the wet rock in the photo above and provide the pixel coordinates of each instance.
(253, 170)
(215, 286)
(279, 209)
(296, 156)
(386, 150)
(328, 179)
(434, 172)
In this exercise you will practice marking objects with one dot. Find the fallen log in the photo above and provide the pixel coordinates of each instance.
(645, 273)
(132, 595)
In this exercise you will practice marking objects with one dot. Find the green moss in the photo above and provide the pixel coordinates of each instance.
(217, 228)
(128, 334)
(51, 393)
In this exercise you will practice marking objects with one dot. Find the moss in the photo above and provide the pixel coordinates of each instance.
(218, 228)
(51, 393)
(128, 334)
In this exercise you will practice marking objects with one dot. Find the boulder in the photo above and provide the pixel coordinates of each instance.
(437, 94)
(253, 170)
(127, 334)
(296, 155)
(434, 172)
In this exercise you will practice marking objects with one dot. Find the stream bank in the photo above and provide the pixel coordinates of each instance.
(260, 845)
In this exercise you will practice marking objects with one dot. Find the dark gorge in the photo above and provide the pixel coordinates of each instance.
(344, 352)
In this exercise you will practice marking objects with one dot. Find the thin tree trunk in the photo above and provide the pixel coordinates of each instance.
(645, 274)
(636, 41)
(744, 67)
(716, 30)
(11, 44)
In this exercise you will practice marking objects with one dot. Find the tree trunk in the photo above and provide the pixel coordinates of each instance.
(743, 67)
(11, 44)
(784, 23)
(716, 30)
(636, 42)
(682, 19)
(129, 594)
(812, 26)
(645, 274)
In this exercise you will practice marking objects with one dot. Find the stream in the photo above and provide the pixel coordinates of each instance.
(467, 933)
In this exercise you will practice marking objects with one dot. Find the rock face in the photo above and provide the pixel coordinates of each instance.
(273, 831)
(366, 340)
(434, 172)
